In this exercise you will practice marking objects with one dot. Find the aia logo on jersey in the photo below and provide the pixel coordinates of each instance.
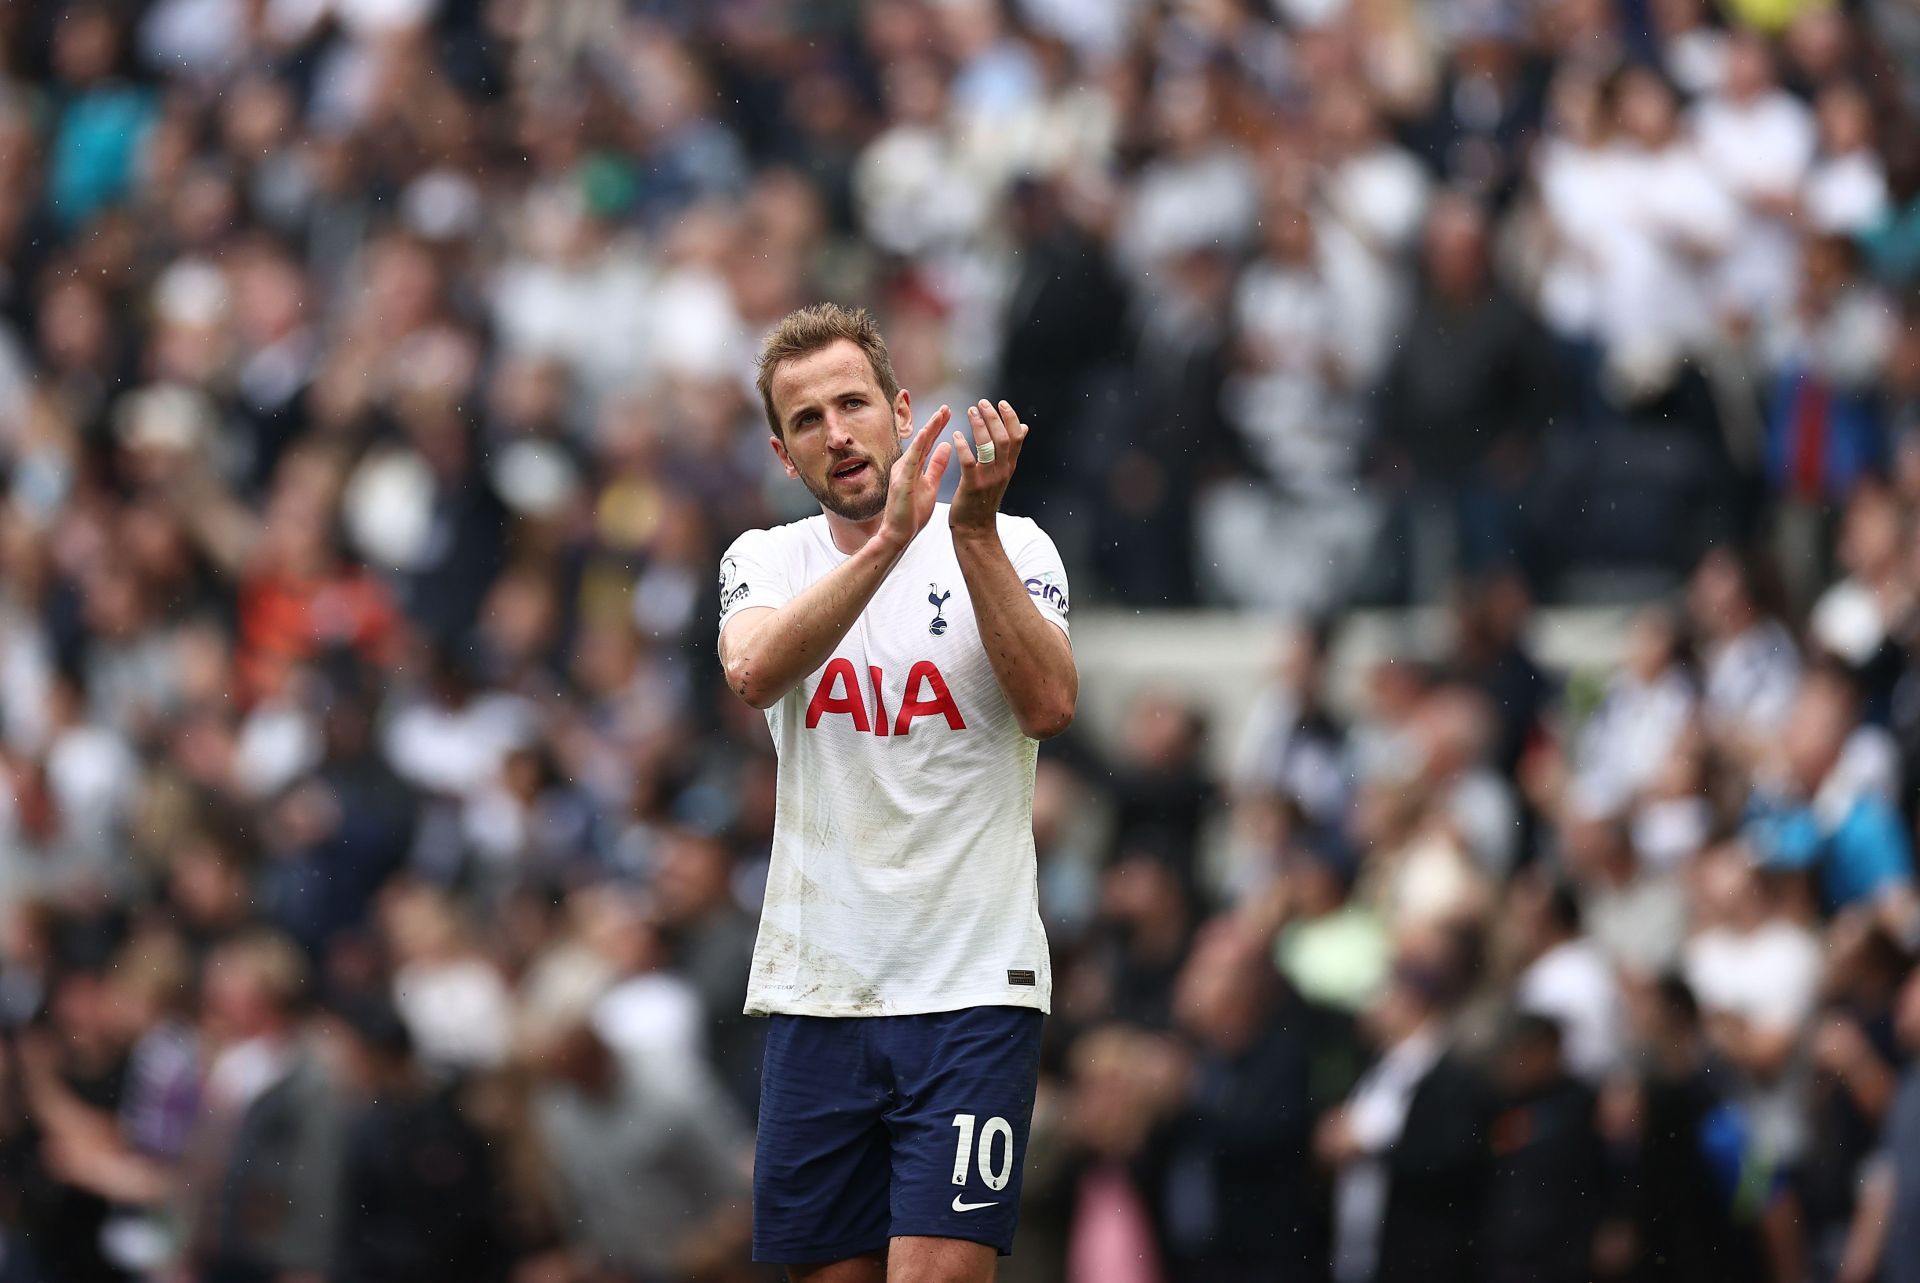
(937, 599)
(839, 693)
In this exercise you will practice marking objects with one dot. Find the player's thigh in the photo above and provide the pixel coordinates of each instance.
(919, 1259)
(960, 1125)
(871, 1268)
(822, 1154)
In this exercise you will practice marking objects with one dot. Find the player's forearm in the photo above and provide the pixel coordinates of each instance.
(767, 656)
(1031, 658)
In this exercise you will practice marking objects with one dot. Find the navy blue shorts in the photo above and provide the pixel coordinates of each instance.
(874, 1127)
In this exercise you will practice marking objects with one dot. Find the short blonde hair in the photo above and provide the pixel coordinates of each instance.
(808, 330)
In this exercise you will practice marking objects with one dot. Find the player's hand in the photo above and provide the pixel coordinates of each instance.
(913, 486)
(976, 504)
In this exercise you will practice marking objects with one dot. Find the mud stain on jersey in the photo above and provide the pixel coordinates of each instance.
(876, 826)
(828, 978)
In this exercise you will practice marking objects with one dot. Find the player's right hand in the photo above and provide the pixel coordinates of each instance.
(913, 486)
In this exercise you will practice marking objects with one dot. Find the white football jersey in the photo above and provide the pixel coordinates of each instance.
(903, 876)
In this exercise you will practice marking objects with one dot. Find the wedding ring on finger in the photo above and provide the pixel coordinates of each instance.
(983, 451)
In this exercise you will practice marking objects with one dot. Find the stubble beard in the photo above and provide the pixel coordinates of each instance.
(858, 508)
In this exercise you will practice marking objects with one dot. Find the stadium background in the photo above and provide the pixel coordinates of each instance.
(1484, 436)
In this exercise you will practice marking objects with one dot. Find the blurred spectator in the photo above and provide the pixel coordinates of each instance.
(1759, 141)
(711, 938)
(1833, 814)
(1750, 666)
(449, 995)
(1470, 389)
(1648, 705)
(1161, 785)
(1408, 1146)
(1634, 909)
(1294, 746)
(420, 1189)
(1569, 980)
(1240, 1197)
(1548, 1164)
(1756, 972)
(1678, 1215)
(613, 1123)
(1333, 949)
(102, 117)
(642, 1009)
(1846, 188)
(262, 1172)
(1824, 431)
(1855, 1047)
(1140, 942)
(1493, 654)
(1063, 334)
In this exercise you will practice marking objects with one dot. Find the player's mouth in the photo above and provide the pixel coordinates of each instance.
(852, 470)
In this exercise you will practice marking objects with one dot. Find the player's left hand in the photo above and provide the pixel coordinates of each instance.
(976, 504)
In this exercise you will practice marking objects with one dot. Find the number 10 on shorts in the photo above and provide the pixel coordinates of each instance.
(995, 1128)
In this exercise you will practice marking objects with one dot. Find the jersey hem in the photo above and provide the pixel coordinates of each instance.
(1043, 1003)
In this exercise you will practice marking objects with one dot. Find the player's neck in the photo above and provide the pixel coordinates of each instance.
(850, 536)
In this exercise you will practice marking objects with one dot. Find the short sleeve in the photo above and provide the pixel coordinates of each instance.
(752, 574)
(1037, 562)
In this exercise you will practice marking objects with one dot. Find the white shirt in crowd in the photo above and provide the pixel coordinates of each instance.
(1848, 621)
(1181, 204)
(654, 1015)
(1696, 59)
(1572, 984)
(1641, 231)
(1769, 977)
(1381, 194)
(1296, 320)
(1585, 198)
(1629, 739)
(1846, 194)
(456, 752)
(903, 876)
(908, 199)
(1760, 150)
(1752, 679)
(459, 1011)
(1641, 925)
(1376, 1115)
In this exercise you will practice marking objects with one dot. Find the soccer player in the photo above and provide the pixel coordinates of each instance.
(908, 654)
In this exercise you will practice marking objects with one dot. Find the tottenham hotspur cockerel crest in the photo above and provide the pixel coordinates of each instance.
(937, 599)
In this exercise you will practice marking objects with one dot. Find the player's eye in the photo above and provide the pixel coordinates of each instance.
(854, 403)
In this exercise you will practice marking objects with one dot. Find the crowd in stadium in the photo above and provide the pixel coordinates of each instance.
(379, 851)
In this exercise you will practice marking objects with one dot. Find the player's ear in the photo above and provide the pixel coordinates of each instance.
(780, 453)
(903, 415)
